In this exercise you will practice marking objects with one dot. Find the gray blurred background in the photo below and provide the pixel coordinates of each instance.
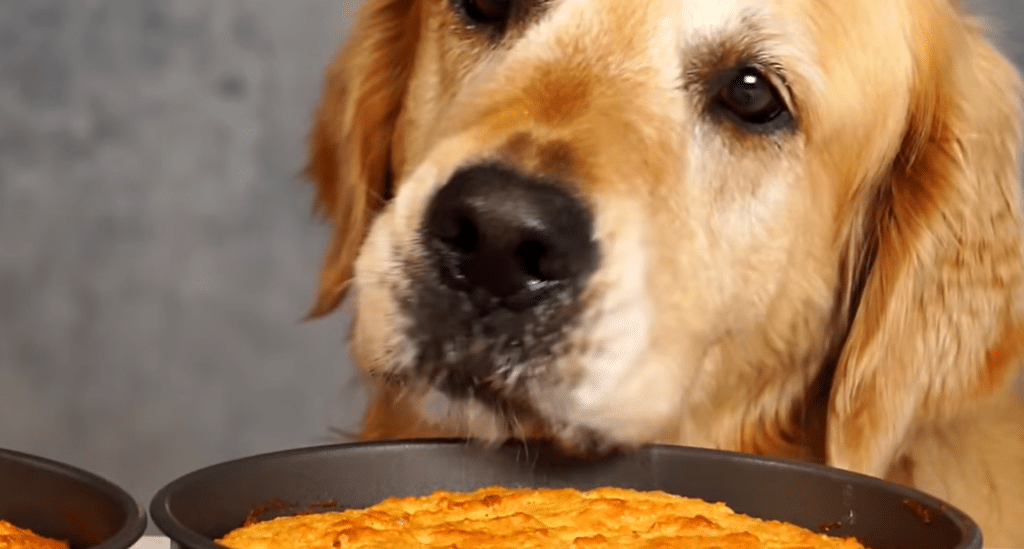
(156, 248)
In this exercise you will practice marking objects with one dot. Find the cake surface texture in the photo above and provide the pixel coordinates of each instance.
(497, 517)
(12, 537)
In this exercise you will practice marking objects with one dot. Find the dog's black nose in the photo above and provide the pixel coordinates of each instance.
(508, 238)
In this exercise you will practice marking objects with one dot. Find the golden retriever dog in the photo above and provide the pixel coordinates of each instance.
(784, 227)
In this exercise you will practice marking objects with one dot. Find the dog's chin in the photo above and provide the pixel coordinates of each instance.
(582, 442)
(492, 417)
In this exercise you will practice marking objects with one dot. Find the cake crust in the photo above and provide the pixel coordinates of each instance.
(497, 517)
(13, 537)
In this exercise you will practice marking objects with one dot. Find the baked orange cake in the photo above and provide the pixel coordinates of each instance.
(12, 537)
(532, 518)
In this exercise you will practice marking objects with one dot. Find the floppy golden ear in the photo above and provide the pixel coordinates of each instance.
(350, 145)
(939, 327)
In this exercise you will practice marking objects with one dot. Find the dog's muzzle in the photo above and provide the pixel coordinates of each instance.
(506, 258)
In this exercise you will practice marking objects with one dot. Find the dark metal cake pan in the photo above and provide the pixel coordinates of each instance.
(63, 502)
(204, 505)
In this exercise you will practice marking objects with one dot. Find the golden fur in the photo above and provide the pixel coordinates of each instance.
(847, 292)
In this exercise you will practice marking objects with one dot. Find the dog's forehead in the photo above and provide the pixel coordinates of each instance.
(675, 26)
(676, 35)
(685, 19)
(703, 17)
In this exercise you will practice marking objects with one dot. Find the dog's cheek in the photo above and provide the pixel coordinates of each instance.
(377, 339)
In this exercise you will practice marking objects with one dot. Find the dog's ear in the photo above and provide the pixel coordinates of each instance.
(350, 153)
(939, 325)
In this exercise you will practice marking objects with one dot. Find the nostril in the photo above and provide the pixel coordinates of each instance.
(468, 235)
(531, 255)
(457, 231)
(554, 266)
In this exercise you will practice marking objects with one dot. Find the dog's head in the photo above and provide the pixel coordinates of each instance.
(619, 221)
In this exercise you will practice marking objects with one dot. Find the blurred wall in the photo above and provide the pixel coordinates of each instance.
(156, 252)
(1005, 19)
(156, 248)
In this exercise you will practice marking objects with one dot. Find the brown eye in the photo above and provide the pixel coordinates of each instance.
(752, 99)
(487, 12)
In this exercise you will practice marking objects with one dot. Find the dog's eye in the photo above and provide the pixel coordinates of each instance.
(486, 12)
(753, 100)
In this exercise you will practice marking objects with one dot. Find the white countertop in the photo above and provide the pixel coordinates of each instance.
(152, 542)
